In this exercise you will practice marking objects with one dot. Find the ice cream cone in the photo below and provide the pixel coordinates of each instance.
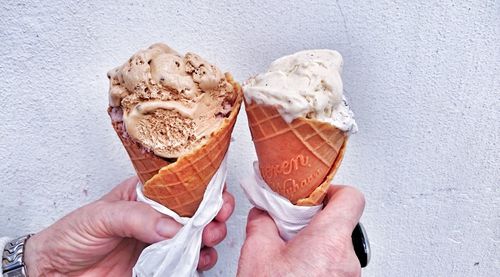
(180, 185)
(299, 159)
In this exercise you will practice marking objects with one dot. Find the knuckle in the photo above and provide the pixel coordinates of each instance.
(343, 261)
(98, 209)
(361, 200)
(253, 221)
(218, 233)
(223, 231)
(251, 227)
(97, 217)
(352, 266)
(228, 197)
(356, 270)
(210, 258)
(356, 195)
(338, 248)
(226, 210)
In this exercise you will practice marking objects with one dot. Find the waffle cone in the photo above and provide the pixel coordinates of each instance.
(299, 159)
(180, 185)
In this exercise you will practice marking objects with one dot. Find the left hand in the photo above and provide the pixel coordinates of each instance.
(106, 237)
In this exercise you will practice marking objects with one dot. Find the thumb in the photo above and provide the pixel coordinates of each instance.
(262, 231)
(262, 244)
(342, 212)
(134, 220)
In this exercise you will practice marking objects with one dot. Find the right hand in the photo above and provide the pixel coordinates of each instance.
(323, 248)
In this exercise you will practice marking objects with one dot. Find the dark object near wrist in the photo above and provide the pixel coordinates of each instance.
(361, 245)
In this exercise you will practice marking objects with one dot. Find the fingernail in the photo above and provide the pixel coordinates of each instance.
(225, 207)
(215, 236)
(205, 259)
(166, 227)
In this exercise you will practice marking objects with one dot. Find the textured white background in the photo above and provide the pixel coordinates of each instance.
(422, 76)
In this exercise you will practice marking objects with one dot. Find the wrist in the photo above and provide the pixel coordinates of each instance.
(36, 256)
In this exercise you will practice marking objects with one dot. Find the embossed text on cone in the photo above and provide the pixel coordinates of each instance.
(297, 159)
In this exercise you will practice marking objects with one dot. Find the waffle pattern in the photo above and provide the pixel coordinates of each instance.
(180, 186)
(316, 197)
(146, 163)
(296, 158)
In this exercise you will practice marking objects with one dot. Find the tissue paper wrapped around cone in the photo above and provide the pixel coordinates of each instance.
(161, 78)
(299, 159)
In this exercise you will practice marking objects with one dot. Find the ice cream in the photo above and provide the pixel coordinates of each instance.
(174, 114)
(170, 102)
(300, 121)
(305, 84)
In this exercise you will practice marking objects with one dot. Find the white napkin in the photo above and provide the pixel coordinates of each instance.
(179, 255)
(289, 218)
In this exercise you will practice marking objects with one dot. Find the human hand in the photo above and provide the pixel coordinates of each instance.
(323, 248)
(106, 237)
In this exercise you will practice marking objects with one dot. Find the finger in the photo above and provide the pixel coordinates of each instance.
(124, 191)
(227, 208)
(262, 231)
(214, 233)
(132, 220)
(208, 258)
(342, 212)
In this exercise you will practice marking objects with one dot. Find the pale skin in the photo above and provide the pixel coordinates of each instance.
(105, 238)
(323, 248)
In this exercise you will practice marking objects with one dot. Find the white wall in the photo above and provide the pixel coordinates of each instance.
(423, 79)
